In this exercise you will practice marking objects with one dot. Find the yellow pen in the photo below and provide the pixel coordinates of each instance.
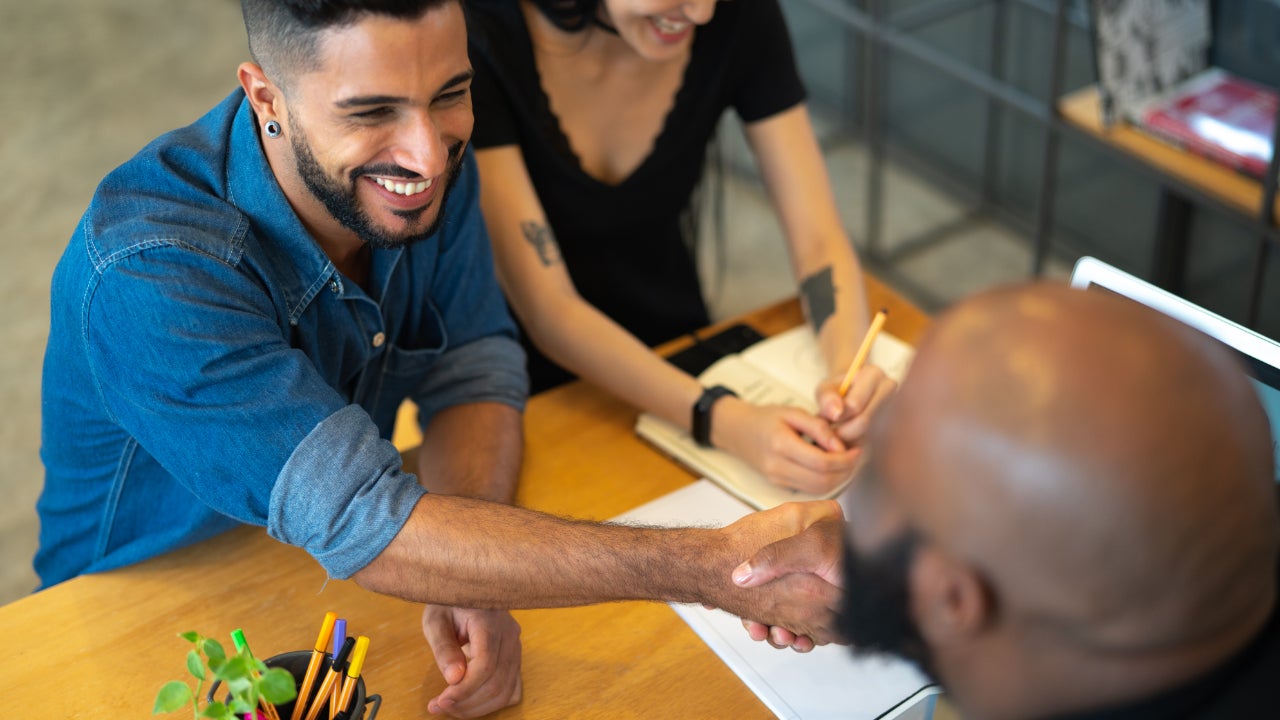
(317, 658)
(353, 676)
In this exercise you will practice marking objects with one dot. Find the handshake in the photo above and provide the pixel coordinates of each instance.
(789, 590)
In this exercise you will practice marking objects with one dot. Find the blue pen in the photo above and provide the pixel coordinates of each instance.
(339, 634)
(339, 637)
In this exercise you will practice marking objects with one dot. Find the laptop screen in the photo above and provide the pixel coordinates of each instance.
(1266, 380)
(1260, 355)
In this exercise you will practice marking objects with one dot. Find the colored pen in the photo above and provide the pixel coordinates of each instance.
(353, 675)
(864, 350)
(335, 671)
(242, 646)
(339, 637)
(313, 667)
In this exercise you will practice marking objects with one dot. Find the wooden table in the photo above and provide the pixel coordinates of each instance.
(100, 646)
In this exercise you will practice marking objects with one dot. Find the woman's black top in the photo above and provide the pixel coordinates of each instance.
(623, 244)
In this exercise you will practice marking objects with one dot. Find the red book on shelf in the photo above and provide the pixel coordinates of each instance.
(1219, 116)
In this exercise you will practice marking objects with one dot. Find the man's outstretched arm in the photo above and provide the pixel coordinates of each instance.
(464, 552)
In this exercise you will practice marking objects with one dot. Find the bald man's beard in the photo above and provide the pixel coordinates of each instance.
(339, 197)
(875, 613)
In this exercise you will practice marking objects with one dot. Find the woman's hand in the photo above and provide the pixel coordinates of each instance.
(786, 444)
(850, 416)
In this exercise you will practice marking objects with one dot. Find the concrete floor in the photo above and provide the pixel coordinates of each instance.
(89, 83)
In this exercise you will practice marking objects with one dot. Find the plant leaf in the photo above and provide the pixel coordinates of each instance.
(250, 694)
(240, 687)
(172, 696)
(216, 710)
(277, 686)
(213, 650)
(234, 669)
(195, 665)
(190, 636)
(242, 707)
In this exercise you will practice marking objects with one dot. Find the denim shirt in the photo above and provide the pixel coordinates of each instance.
(208, 365)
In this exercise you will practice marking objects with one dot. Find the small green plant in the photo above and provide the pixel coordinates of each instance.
(247, 680)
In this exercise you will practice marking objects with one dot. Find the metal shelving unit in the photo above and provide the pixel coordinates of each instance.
(880, 31)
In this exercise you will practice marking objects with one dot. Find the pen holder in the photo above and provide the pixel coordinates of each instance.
(296, 663)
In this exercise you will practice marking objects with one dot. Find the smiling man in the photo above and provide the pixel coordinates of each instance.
(247, 302)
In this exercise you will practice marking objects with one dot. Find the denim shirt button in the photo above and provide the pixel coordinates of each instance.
(378, 339)
(333, 285)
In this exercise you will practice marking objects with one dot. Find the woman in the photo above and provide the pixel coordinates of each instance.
(592, 121)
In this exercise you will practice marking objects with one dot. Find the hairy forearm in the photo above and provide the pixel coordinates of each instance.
(464, 552)
(473, 450)
(471, 553)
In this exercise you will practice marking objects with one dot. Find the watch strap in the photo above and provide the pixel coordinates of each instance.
(701, 423)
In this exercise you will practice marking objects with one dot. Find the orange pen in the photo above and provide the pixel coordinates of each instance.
(335, 671)
(313, 667)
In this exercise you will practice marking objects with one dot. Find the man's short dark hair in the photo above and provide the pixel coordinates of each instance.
(284, 34)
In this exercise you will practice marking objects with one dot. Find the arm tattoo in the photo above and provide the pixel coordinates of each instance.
(819, 295)
(543, 241)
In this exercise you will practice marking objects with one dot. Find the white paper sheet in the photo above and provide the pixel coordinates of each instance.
(826, 683)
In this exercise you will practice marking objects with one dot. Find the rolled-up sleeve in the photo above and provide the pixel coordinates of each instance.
(342, 496)
(491, 369)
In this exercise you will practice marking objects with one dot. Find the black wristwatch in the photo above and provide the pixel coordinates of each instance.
(701, 424)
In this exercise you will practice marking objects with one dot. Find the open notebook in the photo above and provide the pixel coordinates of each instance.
(782, 370)
(826, 683)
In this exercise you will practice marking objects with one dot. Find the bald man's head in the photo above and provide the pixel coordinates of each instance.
(1093, 477)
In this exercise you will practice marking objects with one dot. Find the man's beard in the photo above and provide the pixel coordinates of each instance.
(340, 199)
(875, 614)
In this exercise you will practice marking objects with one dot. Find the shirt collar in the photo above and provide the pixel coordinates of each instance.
(302, 268)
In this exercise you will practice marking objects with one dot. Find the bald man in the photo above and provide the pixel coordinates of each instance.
(1068, 511)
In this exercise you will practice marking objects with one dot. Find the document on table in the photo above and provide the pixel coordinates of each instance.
(826, 683)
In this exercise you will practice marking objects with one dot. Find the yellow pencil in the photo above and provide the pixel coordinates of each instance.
(864, 350)
(317, 657)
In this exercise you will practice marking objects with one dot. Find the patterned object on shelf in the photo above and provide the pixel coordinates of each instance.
(1145, 47)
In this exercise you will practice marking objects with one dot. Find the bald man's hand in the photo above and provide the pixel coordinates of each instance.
(816, 551)
(850, 416)
(803, 603)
